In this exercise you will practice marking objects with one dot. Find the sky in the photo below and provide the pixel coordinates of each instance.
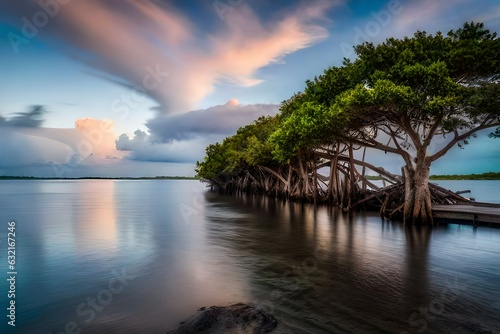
(140, 88)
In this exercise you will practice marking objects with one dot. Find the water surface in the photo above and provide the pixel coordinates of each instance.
(177, 248)
(480, 190)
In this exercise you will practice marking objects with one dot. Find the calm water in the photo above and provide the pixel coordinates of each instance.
(140, 256)
(482, 191)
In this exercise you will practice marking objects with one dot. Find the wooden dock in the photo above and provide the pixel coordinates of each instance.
(476, 213)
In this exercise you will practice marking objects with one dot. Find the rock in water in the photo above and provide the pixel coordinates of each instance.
(237, 318)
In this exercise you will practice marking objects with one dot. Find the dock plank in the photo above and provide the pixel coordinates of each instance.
(474, 212)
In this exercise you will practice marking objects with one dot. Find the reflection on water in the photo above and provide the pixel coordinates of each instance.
(327, 271)
(74, 236)
(91, 215)
(181, 248)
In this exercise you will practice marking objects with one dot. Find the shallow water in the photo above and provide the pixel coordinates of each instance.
(175, 248)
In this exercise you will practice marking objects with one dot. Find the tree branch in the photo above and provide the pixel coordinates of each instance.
(379, 146)
(458, 138)
(380, 170)
(406, 156)
(432, 131)
(409, 130)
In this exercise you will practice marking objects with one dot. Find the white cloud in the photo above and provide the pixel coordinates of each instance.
(142, 148)
(91, 138)
(183, 137)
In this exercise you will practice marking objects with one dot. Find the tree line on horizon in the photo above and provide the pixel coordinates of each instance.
(396, 97)
(473, 176)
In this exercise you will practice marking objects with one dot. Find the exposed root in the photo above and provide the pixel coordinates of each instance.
(391, 200)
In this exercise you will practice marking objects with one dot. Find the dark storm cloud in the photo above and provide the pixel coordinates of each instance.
(33, 118)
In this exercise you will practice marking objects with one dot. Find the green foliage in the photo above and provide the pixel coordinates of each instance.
(306, 126)
(474, 52)
(311, 118)
(334, 81)
(483, 176)
(447, 84)
(246, 149)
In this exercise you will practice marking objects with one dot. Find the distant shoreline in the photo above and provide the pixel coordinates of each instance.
(483, 176)
(458, 177)
(99, 178)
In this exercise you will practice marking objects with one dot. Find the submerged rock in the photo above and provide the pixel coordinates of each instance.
(237, 318)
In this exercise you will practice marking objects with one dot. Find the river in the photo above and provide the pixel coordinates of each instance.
(122, 256)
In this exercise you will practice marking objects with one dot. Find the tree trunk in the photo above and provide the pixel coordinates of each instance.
(407, 179)
(352, 176)
(289, 181)
(363, 171)
(304, 171)
(418, 207)
(332, 183)
(315, 184)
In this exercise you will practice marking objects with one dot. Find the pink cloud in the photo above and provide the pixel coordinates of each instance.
(30, 145)
(161, 52)
(248, 45)
(99, 133)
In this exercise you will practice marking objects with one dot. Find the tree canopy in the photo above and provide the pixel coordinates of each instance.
(246, 149)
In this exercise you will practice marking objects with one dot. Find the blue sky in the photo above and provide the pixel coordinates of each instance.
(140, 88)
